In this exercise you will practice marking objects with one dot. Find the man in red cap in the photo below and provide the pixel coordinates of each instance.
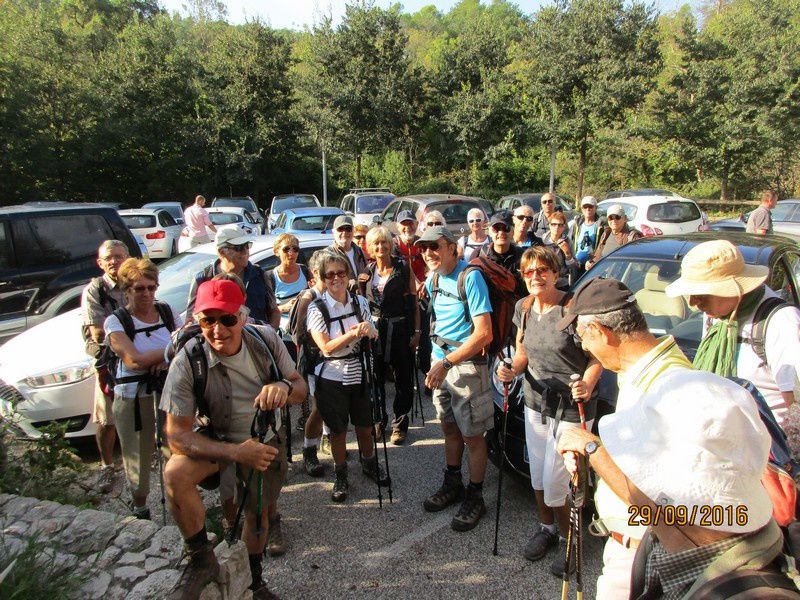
(245, 369)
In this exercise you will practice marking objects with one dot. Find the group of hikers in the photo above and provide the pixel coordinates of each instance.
(211, 390)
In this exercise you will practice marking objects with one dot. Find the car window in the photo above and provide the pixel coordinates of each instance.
(248, 218)
(630, 209)
(244, 203)
(312, 222)
(305, 253)
(224, 218)
(391, 210)
(453, 212)
(139, 221)
(783, 211)
(373, 203)
(286, 202)
(281, 220)
(780, 281)
(6, 260)
(59, 239)
(673, 212)
(165, 219)
(176, 275)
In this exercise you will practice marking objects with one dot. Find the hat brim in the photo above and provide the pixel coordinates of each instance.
(567, 320)
(236, 241)
(227, 307)
(749, 279)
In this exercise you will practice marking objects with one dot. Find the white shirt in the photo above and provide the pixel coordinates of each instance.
(470, 247)
(348, 371)
(351, 257)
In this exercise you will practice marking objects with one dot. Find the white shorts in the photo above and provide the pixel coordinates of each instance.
(546, 465)
(614, 582)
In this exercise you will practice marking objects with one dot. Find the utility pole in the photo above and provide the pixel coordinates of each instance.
(324, 179)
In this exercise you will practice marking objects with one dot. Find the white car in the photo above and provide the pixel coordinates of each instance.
(156, 227)
(658, 215)
(226, 217)
(364, 204)
(45, 371)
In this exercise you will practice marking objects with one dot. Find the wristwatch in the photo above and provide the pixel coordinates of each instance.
(591, 447)
(447, 364)
(289, 385)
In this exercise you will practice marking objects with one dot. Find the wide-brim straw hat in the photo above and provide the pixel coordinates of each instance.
(716, 268)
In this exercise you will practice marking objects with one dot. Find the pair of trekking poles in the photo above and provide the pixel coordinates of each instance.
(378, 416)
(578, 487)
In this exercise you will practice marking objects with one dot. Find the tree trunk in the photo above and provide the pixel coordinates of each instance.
(581, 168)
(723, 192)
(358, 170)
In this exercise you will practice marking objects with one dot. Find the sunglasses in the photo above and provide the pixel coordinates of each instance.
(345, 228)
(331, 275)
(538, 271)
(432, 246)
(497, 227)
(287, 249)
(548, 201)
(614, 217)
(359, 237)
(558, 224)
(471, 221)
(434, 224)
(141, 288)
(523, 218)
(224, 320)
(239, 247)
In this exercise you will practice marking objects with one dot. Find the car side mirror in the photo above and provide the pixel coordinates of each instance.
(377, 220)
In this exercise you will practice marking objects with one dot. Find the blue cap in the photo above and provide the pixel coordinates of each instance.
(405, 215)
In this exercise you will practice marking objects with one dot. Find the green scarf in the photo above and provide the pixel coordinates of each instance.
(719, 349)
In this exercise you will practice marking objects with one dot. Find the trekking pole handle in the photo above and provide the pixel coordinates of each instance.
(508, 365)
(574, 378)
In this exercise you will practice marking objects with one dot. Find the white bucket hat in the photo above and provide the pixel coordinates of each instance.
(716, 268)
(706, 448)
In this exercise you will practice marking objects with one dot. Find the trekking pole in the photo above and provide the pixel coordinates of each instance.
(507, 365)
(367, 365)
(416, 385)
(262, 421)
(575, 378)
(383, 428)
(159, 450)
(565, 575)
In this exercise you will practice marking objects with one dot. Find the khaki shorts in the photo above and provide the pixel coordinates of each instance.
(137, 446)
(102, 412)
(465, 398)
(233, 478)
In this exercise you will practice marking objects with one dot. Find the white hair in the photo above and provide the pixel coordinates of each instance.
(435, 214)
(476, 212)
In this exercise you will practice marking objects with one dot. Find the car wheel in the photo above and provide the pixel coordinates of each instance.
(174, 249)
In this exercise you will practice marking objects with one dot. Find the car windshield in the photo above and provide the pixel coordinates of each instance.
(642, 192)
(673, 212)
(175, 276)
(244, 203)
(374, 203)
(647, 279)
(173, 209)
(454, 212)
(782, 211)
(312, 223)
(139, 221)
(286, 202)
(224, 218)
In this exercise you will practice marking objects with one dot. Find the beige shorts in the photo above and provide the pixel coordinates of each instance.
(465, 398)
(102, 412)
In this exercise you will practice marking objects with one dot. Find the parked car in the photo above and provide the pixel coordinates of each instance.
(511, 202)
(659, 215)
(647, 266)
(285, 202)
(363, 204)
(245, 202)
(306, 220)
(454, 209)
(640, 192)
(156, 227)
(226, 217)
(173, 208)
(51, 381)
(48, 251)
(785, 219)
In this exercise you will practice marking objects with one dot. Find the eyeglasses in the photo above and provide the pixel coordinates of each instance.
(557, 224)
(434, 224)
(432, 246)
(471, 221)
(523, 218)
(114, 258)
(359, 237)
(224, 320)
(287, 249)
(345, 228)
(239, 247)
(548, 201)
(500, 227)
(538, 271)
(614, 217)
(331, 275)
(141, 288)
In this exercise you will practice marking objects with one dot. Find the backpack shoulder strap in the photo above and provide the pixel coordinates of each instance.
(761, 318)
(461, 287)
(126, 320)
(165, 312)
(758, 583)
(254, 331)
(326, 315)
(356, 307)
(526, 311)
(199, 366)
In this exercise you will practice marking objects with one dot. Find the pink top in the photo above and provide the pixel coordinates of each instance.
(196, 219)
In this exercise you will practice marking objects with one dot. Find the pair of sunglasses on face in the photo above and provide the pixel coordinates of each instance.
(224, 320)
(435, 224)
(614, 217)
(527, 218)
(331, 275)
(500, 227)
(240, 247)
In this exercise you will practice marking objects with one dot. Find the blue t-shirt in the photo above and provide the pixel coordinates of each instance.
(286, 291)
(586, 240)
(450, 321)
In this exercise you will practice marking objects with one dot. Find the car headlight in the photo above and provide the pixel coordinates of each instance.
(63, 376)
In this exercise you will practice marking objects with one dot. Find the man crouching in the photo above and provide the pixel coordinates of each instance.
(244, 369)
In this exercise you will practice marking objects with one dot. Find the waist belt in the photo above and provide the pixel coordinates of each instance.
(625, 541)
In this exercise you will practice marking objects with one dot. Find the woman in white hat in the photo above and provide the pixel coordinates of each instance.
(733, 296)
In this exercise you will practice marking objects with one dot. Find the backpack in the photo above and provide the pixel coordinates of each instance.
(313, 353)
(502, 286)
(94, 349)
(109, 361)
(761, 318)
(306, 347)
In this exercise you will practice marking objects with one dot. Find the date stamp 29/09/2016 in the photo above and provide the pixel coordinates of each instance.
(703, 515)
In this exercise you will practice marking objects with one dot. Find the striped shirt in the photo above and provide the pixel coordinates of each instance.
(347, 370)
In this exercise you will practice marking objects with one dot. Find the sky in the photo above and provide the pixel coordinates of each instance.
(295, 14)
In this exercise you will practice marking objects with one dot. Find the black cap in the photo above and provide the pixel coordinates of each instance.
(504, 217)
(405, 215)
(434, 234)
(597, 297)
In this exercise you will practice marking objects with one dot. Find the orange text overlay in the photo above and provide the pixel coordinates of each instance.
(702, 515)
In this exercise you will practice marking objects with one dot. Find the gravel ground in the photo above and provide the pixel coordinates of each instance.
(357, 550)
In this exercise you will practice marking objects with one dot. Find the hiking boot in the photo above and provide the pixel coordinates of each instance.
(372, 469)
(539, 545)
(201, 568)
(325, 445)
(105, 481)
(261, 592)
(275, 542)
(559, 564)
(311, 463)
(471, 511)
(452, 491)
(141, 512)
(399, 436)
(340, 486)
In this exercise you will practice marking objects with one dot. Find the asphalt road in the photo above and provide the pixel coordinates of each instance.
(358, 550)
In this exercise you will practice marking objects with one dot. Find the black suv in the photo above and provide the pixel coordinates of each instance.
(47, 250)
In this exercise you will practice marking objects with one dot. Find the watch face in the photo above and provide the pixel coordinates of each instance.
(591, 447)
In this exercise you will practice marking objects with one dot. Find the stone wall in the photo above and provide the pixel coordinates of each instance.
(128, 558)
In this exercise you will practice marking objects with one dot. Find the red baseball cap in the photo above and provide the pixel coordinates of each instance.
(220, 294)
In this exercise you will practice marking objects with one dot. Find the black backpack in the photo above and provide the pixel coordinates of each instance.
(313, 354)
(94, 349)
(761, 318)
